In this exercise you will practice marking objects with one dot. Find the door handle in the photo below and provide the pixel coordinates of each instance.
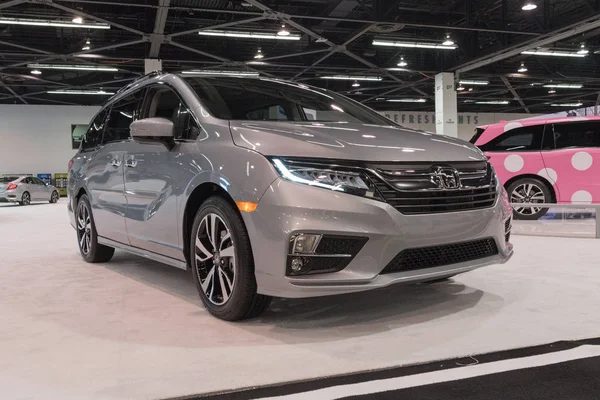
(131, 163)
(115, 162)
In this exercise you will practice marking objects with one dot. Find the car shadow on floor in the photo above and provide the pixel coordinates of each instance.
(367, 312)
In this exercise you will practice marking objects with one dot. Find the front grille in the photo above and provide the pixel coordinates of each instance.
(437, 256)
(415, 188)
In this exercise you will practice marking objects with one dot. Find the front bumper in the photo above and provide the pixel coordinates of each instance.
(288, 208)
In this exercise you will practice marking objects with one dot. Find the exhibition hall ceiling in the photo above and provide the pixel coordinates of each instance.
(509, 55)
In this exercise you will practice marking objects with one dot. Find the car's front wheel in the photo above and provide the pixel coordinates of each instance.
(529, 190)
(54, 197)
(222, 262)
(87, 236)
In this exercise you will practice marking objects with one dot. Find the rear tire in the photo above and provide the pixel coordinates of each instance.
(222, 262)
(54, 197)
(87, 237)
(25, 199)
(529, 190)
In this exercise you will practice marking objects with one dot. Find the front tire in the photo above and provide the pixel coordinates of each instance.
(25, 199)
(222, 262)
(529, 190)
(87, 237)
(54, 197)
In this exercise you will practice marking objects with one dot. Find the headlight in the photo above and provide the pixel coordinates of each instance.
(337, 179)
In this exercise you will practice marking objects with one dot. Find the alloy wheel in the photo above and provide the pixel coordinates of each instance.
(215, 259)
(54, 197)
(26, 199)
(84, 228)
(528, 193)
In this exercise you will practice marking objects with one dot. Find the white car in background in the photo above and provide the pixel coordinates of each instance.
(25, 189)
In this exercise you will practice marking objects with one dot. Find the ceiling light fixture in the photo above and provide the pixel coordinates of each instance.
(407, 100)
(523, 68)
(87, 45)
(493, 102)
(46, 22)
(91, 92)
(583, 50)
(283, 31)
(528, 6)
(259, 54)
(467, 82)
(402, 63)
(564, 85)
(398, 69)
(417, 45)
(228, 73)
(248, 35)
(448, 41)
(356, 84)
(73, 67)
(551, 91)
(353, 78)
(470, 89)
(460, 88)
(567, 104)
(77, 20)
(36, 72)
(553, 53)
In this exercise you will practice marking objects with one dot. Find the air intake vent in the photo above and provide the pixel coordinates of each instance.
(437, 256)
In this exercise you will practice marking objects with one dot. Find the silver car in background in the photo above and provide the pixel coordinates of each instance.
(25, 189)
(271, 188)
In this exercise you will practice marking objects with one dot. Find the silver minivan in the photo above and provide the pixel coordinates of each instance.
(264, 188)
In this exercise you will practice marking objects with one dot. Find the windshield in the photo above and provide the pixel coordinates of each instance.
(270, 100)
(7, 179)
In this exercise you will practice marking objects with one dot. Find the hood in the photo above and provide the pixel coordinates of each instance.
(349, 141)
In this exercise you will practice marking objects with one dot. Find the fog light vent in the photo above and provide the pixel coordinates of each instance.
(311, 253)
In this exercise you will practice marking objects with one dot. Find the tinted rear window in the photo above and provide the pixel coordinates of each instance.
(6, 179)
(268, 100)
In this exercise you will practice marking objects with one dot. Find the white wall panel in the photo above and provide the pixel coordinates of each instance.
(37, 139)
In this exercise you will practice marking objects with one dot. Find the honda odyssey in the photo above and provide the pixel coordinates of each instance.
(265, 188)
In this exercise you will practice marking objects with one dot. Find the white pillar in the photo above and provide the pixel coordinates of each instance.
(446, 111)
(152, 64)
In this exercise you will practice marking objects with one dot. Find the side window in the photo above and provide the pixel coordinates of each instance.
(528, 138)
(186, 127)
(28, 180)
(93, 136)
(577, 134)
(122, 114)
(37, 181)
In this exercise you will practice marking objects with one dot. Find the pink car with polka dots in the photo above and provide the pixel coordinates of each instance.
(545, 160)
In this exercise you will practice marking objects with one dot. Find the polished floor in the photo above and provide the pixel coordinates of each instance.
(134, 329)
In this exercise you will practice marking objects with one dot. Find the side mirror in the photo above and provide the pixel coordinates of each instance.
(158, 128)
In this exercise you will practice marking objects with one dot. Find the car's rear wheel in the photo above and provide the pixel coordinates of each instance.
(25, 199)
(222, 262)
(529, 190)
(87, 237)
(54, 197)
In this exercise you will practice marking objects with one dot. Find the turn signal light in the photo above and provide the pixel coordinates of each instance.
(246, 206)
(11, 186)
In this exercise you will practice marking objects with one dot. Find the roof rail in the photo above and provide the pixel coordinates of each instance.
(140, 79)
